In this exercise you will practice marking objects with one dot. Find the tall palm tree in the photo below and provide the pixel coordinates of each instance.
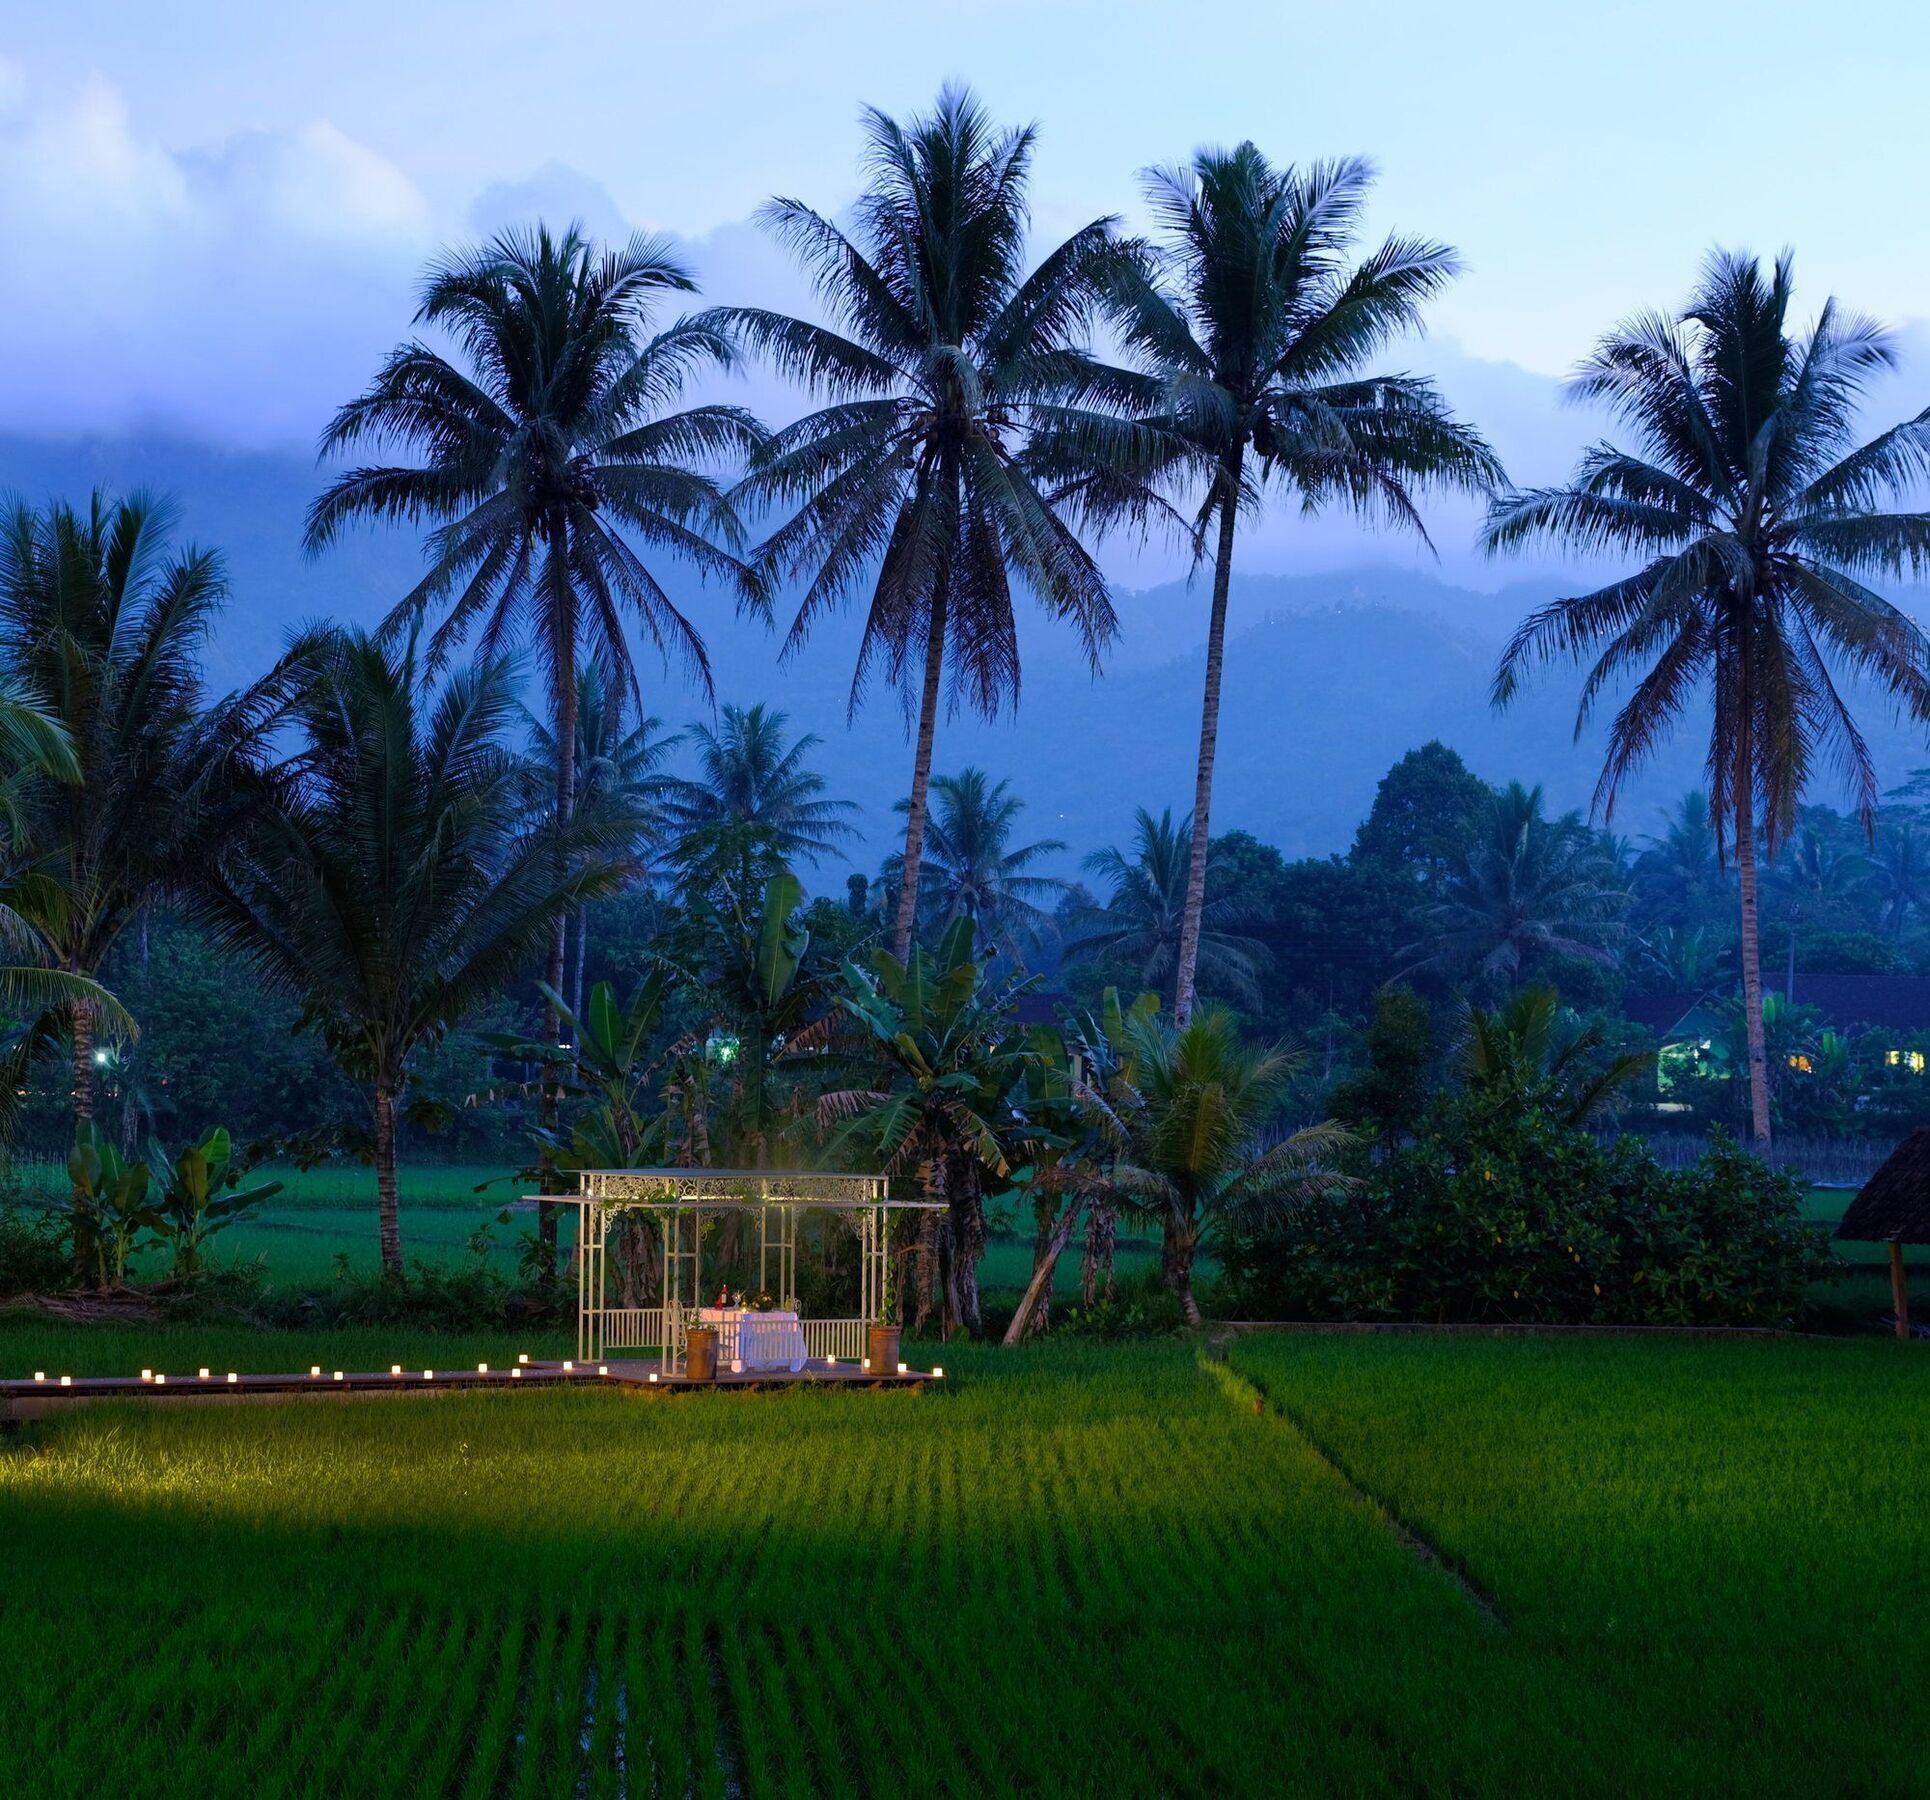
(101, 628)
(399, 880)
(1680, 869)
(1817, 878)
(1758, 517)
(1522, 887)
(618, 774)
(1144, 916)
(748, 775)
(973, 870)
(1262, 348)
(1533, 1051)
(549, 448)
(1200, 1098)
(949, 373)
(1902, 866)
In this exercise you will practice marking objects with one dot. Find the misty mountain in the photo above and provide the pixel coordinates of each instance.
(1330, 677)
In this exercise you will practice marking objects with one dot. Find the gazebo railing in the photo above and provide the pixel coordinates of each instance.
(644, 1327)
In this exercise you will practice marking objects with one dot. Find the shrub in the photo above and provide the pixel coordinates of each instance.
(36, 1254)
(1515, 1216)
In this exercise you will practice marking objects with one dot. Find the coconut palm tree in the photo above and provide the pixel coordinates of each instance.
(618, 773)
(1680, 869)
(1532, 1051)
(101, 627)
(1263, 347)
(1144, 916)
(399, 880)
(1902, 873)
(944, 1061)
(951, 378)
(1522, 887)
(973, 870)
(549, 448)
(1758, 518)
(1200, 1100)
(749, 776)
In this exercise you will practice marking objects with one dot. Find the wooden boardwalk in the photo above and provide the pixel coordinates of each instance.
(45, 1394)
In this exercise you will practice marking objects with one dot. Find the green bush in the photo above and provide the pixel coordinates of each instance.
(1513, 1216)
(36, 1254)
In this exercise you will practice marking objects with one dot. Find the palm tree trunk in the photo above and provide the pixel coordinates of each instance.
(1177, 1244)
(920, 781)
(582, 957)
(1102, 1236)
(965, 1244)
(1189, 931)
(1745, 818)
(1035, 1304)
(547, 1213)
(387, 1207)
(83, 1084)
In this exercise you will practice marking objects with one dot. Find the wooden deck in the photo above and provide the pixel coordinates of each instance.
(42, 1396)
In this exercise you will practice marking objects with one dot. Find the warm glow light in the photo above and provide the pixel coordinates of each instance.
(603, 1368)
(904, 1368)
(315, 1374)
(938, 1374)
(569, 1368)
(338, 1374)
(232, 1376)
(515, 1374)
(522, 1359)
(482, 1368)
(653, 1381)
(737, 1365)
(159, 1381)
(395, 1368)
(428, 1374)
(40, 1374)
(203, 1374)
(867, 1362)
(147, 1374)
(830, 1362)
(66, 1381)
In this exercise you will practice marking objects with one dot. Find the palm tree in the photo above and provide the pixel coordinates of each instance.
(1681, 870)
(973, 870)
(101, 626)
(398, 881)
(1817, 879)
(944, 1063)
(1902, 873)
(617, 774)
(1144, 917)
(546, 447)
(750, 777)
(1758, 518)
(1261, 353)
(1531, 1051)
(952, 377)
(1201, 1099)
(1522, 887)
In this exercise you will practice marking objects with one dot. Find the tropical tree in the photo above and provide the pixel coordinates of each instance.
(1143, 919)
(1196, 1147)
(398, 881)
(1531, 1051)
(1522, 888)
(550, 446)
(973, 870)
(132, 776)
(618, 773)
(1262, 345)
(1680, 870)
(1817, 879)
(750, 777)
(1902, 873)
(1758, 518)
(944, 1061)
(952, 378)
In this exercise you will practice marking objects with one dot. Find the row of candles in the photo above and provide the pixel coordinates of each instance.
(395, 1369)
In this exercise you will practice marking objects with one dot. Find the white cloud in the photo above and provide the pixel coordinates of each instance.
(236, 291)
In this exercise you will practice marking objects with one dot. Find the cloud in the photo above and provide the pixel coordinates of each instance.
(234, 292)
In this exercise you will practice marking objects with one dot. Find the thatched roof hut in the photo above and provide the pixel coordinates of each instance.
(1894, 1209)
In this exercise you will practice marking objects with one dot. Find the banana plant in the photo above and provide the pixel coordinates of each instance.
(200, 1194)
(112, 1204)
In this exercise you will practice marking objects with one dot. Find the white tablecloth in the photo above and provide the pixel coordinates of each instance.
(759, 1340)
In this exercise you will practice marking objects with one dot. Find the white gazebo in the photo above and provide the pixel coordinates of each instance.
(678, 1201)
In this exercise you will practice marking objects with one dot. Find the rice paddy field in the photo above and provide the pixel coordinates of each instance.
(1327, 1564)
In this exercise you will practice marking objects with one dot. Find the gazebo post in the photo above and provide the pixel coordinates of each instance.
(1899, 1291)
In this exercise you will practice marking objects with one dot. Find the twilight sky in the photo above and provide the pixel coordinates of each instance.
(215, 211)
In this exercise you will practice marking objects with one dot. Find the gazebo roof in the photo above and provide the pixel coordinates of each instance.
(748, 1188)
(1894, 1206)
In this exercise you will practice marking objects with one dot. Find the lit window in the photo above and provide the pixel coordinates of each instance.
(1913, 1061)
(1894, 1058)
(1802, 1064)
